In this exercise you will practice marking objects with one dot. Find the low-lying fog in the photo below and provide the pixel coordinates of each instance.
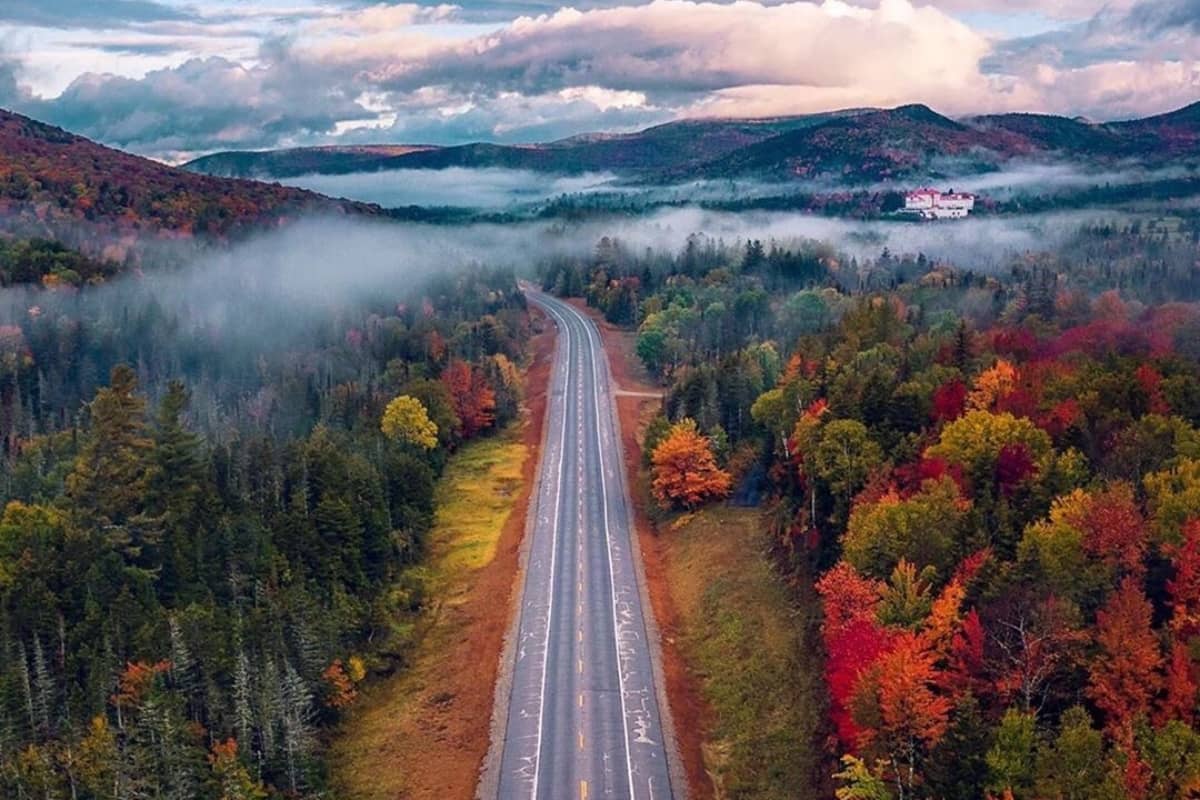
(272, 282)
(497, 188)
(461, 187)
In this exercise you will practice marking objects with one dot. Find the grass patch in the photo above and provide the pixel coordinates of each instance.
(398, 719)
(474, 498)
(754, 651)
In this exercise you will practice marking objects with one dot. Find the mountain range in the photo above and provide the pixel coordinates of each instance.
(854, 146)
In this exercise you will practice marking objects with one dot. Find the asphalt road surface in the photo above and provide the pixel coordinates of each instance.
(583, 718)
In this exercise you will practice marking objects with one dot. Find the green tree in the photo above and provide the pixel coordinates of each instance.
(1173, 756)
(845, 456)
(1075, 766)
(108, 486)
(1012, 759)
(923, 529)
(957, 768)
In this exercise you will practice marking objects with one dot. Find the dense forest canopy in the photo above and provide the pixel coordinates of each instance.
(991, 479)
(211, 526)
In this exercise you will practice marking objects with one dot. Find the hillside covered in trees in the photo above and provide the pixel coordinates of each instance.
(54, 184)
(989, 482)
(212, 531)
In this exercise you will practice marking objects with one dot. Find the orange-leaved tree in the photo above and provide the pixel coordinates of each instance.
(684, 469)
(1125, 673)
(899, 712)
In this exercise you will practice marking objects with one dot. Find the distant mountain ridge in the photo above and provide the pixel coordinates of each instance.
(853, 146)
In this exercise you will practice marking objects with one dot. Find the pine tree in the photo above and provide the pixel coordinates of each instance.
(108, 485)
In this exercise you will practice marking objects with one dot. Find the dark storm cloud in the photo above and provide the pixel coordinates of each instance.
(87, 13)
(1166, 15)
(1149, 30)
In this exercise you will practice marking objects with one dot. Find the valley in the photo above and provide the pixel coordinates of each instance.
(662, 464)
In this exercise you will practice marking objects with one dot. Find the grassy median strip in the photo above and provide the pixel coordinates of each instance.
(746, 639)
(395, 723)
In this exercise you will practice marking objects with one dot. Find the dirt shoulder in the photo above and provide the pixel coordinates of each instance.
(423, 734)
(638, 399)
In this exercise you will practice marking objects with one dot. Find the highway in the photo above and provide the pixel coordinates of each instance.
(583, 718)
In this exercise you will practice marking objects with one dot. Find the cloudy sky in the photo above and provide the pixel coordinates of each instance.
(176, 78)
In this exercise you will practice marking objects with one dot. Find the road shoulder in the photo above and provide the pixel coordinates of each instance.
(423, 734)
(522, 522)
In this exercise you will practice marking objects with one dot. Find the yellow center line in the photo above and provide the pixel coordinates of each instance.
(581, 740)
(581, 665)
(583, 789)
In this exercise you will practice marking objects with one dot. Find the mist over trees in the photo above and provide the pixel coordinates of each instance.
(210, 523)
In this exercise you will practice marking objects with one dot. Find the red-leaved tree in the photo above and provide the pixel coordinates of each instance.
(473, 398)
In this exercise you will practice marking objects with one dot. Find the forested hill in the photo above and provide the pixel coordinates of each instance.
(852, 146)
(53, 182)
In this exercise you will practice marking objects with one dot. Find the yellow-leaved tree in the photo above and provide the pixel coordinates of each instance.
(406, 420)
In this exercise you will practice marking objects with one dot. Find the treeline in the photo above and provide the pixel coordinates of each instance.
(211, 526)
(34, 261)
(993, 482)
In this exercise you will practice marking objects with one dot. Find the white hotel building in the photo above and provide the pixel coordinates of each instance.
(932, 204)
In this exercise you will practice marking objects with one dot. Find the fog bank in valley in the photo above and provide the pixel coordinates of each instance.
(459, 187)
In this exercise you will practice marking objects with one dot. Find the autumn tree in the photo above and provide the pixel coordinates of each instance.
(1183, 587)
(853, 638)
(992, 386)
(1178, 701)
(1125, 672)
(1090, 541)
(232, 777)
(900, 713)
(406, 420)
(685, 472)
(473, 398)
(975, 440)
(949, 400)
(340, 690)
(1173, 497)
(1033, 641)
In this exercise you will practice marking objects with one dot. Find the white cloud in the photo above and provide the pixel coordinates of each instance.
(1113, 90)
(325, 71)
(680, 46)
